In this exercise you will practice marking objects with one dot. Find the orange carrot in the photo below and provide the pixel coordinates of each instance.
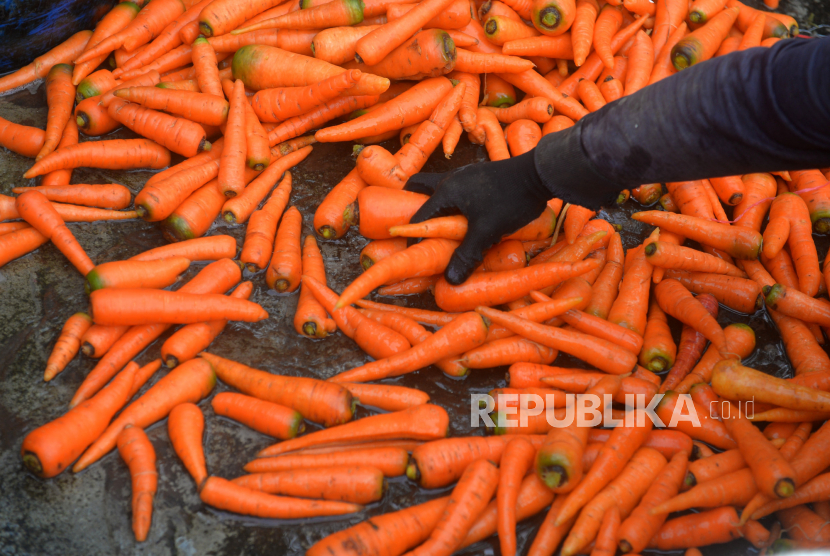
(111, 196)
(232, 168)
(582, 30)
(68, 344)
(659, 350)
(337, 45)
(225, 495)
(21, 139)
(63, 177)
(296, 126)
(9, 227)
(456, 16)
(468, 110)
(262, 229)
(641, 63)
(138, 453)
(591, 96)
(116, 154)
(60, 97)
(310, 318)
(188, 341)
(36, 209)
(260, 415)
(64, 53)
(605, 288)
(197, 107)
(676, 300)
(210, 248)
(185, 428)
(700, 529)
(669, 255)
(51, 448)
(702, 10)
(96, 341)
(275, 105)
(700, 45)
(667, 18)
(318, 401)
(285, 268)
(390, 460)
(358, 484)
(216, 277)
(136, 274)
(630, 309)
(607, 24)
(663, 66)
(205, 67)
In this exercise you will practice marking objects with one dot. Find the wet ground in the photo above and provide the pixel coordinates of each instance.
(89, 513)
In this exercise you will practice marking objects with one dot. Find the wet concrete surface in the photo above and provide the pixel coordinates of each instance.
(89, 513)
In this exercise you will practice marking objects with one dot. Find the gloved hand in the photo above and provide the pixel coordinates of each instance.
(497, 198)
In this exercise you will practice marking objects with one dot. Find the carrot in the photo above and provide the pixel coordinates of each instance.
(232, 167)
(9, 227)
(328, 404)
(706, 469)
(736, 488)
(474, 62)
(336, 13)
(21, 139)
(210, 248)
(769, 389)
(189, 382)
(64, 53)
(263, 67)
(669, 255)
(501, 29)
(310, 317)
(516, 461)
(505, 351)
(667, 18)
(550, 535)
(262, 416)
(337, 45)
(69, 213)
(285, 268)
(188, 341)
(68, 344)
(224, 16)
(710, 430)
(623, 492)
(185, 428)
(607, 24)
(296, 126)
(740, 340)
(51, 448)
(380, 249)
(136, 274)
(462, 334)
(359, 484)
(742, 243)
(275, 105)
(676, 300)
(456, 16)
(582, 30)
(793, 303)
(663, 66)
(818, 201)
(647, 194)
(262, 229)
(439, 463)
(430, 53)
(217, 277)
(63, 177)
(158, 201)
(36, 209)
(536, 109)
(522, 136)
(437, 318)
(197, 107)
(703, 10)
(116, 154)
(591, 96)
(258, 153)
(533, 83)
(468, 110)
(205, 67)
(700, 529)
(375, 339)
(422, 422)
(388, 398)
(606, 286)
(60, 97)
(638, 528)
(659, 350)
(112, 196)
(641, 58)
(797, 232)
(559, 47)
(93, 119)
(630, 308)
(391, 460)
(138, 453)
(96, 341)
(736, 293)
(238, 209)
(226, 495)
(168, 63)
(700, 45)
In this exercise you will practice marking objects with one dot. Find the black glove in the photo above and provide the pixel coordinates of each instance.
(497, 198)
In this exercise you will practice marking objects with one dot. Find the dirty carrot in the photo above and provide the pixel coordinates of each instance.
(185, 427)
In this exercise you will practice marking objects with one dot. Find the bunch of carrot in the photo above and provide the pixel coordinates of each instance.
(236, 88)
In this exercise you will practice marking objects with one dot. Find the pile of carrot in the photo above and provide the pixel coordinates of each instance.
(225, 97)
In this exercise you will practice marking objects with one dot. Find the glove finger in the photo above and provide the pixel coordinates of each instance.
(468, 255)
(424, 183)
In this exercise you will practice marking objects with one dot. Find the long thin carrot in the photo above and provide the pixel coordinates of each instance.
(389, 398)
(136, 274)
(700, 529)
(607, 24)
(630, 308)
(358, 484)
(310, 318)
(185, 428)
(60, 97)
(198, 107)
(232, 167)
(210, 248)
(238, 209)
(669, 255)
(64, 53)
(224, 16)
(51, 448)
(36, 209)
(262, 229)
(112, 196)
(262, 416)
(68, 344)
(285, 268)
(582, 30)
(116, 154)
(676, 300)
(641, 63)
(296, 126)
(668, 17)
(140, 456)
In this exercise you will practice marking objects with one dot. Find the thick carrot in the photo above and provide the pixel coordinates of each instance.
(276, 105)
(798, 234)
(210, 248)
(659, 350)
(793, 303)
(51, 448)
(700, 45)
(140, 456)
(318, 401)
(189, 382)
(36, 209)
(262, 229)
(98, 339)
(224, 16)
(601, 353)
(441, 462)
(60, 97)
(495, 288)
(64, 53)
(462, 334)
(336, 13)
(116, 154)
(506, 351)
(769, 389)
(630, 308)
(112, 196)
(375, 339)
(232, 168)
(358, 484)
(380, 249)
(667, 18)
(641, 63)
(582, 30)
(198, 107)
(217, 277)
(676, 300)
(700, 529)
(390, 460)
(310, 318)
(669, 255)
(285, 268)
(185, 428)
(225, 495)
(136, 274)
(188, 341)
(337, 213)
(21, 139)
(389, 398)
(262, 416)
(663, 66)
(607, 24)
(736, 293)
(538, 45)
(337, 45)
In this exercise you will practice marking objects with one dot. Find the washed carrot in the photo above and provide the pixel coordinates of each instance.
(663, 66)
(51, 448)
(189, 340)
(591, 96)
(536, 109)
(793, 303)
(607, 24)
(205, 67)
(9, 227)
(21, 139)
(36, 209)
(375, 339)
(441, 462)
(63, 177)
(198, 107)
(582, 30)
(769, 389)
(690, 348)
(225, 495)
(358, 484)
(321, 402)
(258, 153)
(516, 461)
(262, 416)
(667, 18)
(422, 422)
(60, 97)
(475, 62)
(310, 318)
(456, 16)
(262, 228)
(210, 248)
(676, 300)
(533, 83)
(136, 274)
(224, 16)
(797, 231)
(336, 45)
(605, 288)
(336, 13)
(817, 200)
(506, 351)
(380, 249)
(641, 63)
(669, 255)
(64, 53)
(216, 277)
(285, 268)
(702, 10)
(232, 166)
(468, 110)
(741, 341)
(636, 530)
(93, 119)
(185, 428)
(410, 286)
(550, 534)
(140, 456)
(275, 105)
(462, 334)
(96, 341)
(438, 318)
(389, 398)
(700, 45)
(501, 29)
(391, 460)
(623, 492)
(739, 294)
(116, 154)
(112, 196)
(68, 344)
(630, 308)
(700, 529)
(296, 126)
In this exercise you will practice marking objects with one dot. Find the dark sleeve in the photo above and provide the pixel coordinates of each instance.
(761, 110)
